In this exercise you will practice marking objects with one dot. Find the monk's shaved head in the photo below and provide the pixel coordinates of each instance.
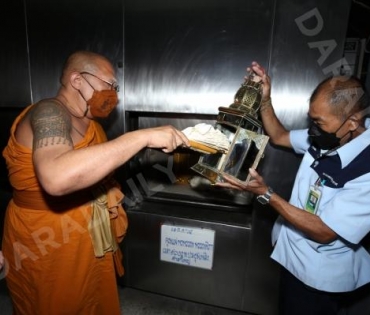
(82, 61)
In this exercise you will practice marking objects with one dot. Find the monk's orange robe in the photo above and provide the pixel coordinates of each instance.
(51, 265)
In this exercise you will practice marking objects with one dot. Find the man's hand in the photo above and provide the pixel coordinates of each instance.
(256, 185)
(261, 75)
(167, 138)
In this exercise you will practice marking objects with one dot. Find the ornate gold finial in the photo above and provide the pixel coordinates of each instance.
(248, 98)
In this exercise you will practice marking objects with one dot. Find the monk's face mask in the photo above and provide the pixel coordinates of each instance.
(102, 102)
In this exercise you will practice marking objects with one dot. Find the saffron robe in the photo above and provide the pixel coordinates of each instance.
(51, 266)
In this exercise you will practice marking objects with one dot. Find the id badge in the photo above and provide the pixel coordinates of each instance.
(313, 199)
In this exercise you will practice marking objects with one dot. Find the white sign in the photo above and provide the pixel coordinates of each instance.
(187, 246)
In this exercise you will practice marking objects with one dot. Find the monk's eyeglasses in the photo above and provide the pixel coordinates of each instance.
(113, 85)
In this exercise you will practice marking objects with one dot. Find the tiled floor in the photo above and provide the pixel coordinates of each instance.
(136, 302)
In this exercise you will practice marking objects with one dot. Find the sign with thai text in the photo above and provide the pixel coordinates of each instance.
(187, 246)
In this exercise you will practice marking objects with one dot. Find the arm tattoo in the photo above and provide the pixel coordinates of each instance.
(51, 125)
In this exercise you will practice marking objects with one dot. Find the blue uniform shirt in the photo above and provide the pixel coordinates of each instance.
(342, 265)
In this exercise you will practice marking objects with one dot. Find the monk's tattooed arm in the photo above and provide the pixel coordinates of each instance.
(51, 125)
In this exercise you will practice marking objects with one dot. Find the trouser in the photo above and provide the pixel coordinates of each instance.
(296, 298)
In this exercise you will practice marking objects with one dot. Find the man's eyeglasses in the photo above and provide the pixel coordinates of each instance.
(113, 85)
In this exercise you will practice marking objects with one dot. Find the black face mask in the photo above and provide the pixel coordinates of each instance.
(324, 140)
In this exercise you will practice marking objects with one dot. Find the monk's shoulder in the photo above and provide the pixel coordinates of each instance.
(43, 118)
(48, 109)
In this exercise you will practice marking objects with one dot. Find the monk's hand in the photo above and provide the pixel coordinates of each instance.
(167, 138)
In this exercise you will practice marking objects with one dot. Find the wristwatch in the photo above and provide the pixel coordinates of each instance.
(265, 199)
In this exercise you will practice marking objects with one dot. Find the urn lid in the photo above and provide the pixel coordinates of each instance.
(248, 97)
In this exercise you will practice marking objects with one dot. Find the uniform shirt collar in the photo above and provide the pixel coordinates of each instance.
(353, 148)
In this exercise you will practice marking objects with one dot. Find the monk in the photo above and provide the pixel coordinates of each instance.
(65, 221)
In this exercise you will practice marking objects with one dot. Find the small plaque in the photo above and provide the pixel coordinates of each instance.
(187, 246)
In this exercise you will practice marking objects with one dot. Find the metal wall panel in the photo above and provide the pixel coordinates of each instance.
(302, 29)
(14, 78)
(191, 56)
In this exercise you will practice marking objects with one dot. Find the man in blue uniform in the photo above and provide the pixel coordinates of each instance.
(317, 235)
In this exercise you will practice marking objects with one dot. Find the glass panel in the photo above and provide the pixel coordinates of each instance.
(245, 152)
